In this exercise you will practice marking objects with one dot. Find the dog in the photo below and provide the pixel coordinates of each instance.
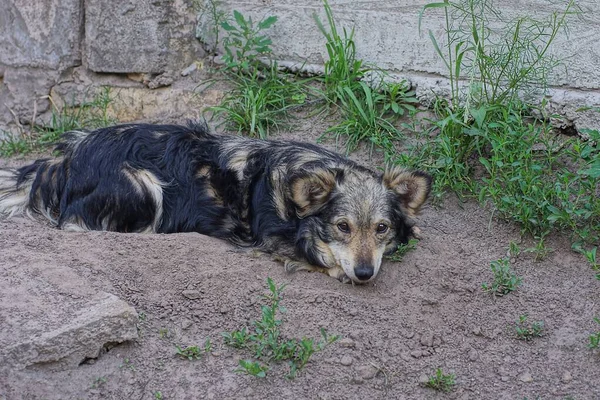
(312, 208)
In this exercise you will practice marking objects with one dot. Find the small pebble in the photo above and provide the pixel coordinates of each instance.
(427, 340)
(477, 331)
(346, 361)
(191, 294)
(566, 377)
(346, 342)
(526, 377)
(505, 378)
(367, 372)
(186, 324)
(423, 379)
(416, 353)
(473, 356)
(353, 312)
(190, 69)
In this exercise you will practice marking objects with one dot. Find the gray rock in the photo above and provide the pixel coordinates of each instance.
(346, 361)
(346, 342)
(566, 377)
(41, 34)
(427, 339)
(367, 372)
(526, 377)
(192, 294)
(102, 320)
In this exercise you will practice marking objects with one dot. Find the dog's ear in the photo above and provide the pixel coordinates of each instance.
(412, 187)
(311, 190)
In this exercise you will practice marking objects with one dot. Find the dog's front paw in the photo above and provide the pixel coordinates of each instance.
(417, 233)
(344, 278)
(292, 266)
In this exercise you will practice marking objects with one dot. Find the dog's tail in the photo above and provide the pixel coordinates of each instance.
(37, 187)
(34, 187)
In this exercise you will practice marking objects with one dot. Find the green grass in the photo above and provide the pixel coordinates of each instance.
(90, 114)
(264, 340)
(441, 381)
(505, 280)
(528, 331)
(485, 143)
(369, 106)
(262, 96)
(403, 249)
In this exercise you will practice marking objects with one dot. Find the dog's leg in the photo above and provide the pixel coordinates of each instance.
(292, 266)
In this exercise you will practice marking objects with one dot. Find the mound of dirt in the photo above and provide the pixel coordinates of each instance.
(424, 313)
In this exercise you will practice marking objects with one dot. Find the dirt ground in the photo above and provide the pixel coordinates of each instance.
(423, 313)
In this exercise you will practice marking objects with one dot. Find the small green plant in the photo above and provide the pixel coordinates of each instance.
(207, 345)
(91, 114)
(368, 109)
(164, 333)
(258, 104)
(99, 381)
(127, 365)
(403, 249)
(216, 16)
(253, 368)
(193, 352)
(527, 331)
(595, 337)
(264, 339)
(441, 381)
(505, 281)
(15, 144)
(246, 42)
(158, 395)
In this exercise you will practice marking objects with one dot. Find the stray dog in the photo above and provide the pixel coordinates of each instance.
(315, 209)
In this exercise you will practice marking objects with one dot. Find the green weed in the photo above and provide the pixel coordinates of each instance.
(99, 381)
(369, 110)
(486, 142)
(12, 145)
(216, 17)
(91, 114)
(193, 352)
(264, 338)
(403, 249)
(158, 395)
(527, 331)
(257, 105)
(594, 338)
(245, 42)
(505, 281)
(440, 381)
(253, 368)
(261, 97)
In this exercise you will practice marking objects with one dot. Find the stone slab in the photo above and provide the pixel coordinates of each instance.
(40, 33)
(52, 317)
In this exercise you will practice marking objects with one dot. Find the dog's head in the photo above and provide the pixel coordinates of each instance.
(350, 217)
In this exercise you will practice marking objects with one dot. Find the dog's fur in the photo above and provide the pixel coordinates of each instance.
(314, 208)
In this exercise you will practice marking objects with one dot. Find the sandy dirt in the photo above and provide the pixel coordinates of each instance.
(423, 313)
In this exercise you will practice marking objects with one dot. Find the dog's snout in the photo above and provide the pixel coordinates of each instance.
(364, 272)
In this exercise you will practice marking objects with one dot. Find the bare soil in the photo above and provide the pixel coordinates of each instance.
(424, 313)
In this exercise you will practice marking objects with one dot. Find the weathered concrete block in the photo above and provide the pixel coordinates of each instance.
(40, 33)
(103, 319)
(23, 92)
(138, 36)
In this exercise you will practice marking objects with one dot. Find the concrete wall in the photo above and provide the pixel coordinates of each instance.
(59, 48)
(387, 34)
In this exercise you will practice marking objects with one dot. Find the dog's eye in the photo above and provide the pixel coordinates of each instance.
(382, 228)
(344, 227)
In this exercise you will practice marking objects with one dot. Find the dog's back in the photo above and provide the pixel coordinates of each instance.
(296, 199)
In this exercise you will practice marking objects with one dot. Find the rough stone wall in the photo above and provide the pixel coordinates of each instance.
(387, 34)
(57, 49)
(63, 47)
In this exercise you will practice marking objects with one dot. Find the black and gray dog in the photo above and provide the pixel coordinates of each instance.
(315, 209)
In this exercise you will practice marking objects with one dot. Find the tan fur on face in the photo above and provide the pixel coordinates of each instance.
(411, 187)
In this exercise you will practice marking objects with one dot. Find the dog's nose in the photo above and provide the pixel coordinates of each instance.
(364, 272)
